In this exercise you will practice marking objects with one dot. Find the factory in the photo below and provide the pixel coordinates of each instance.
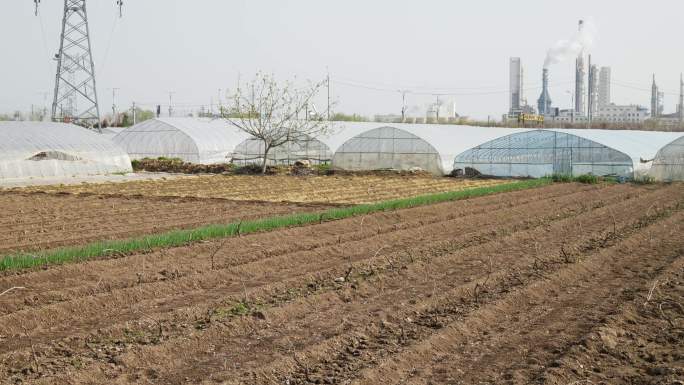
(591, 93)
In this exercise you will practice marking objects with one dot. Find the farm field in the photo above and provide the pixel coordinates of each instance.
(561, 284)
(35, 221)
(278, 188)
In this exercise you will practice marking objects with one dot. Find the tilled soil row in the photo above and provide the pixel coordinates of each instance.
(510, 340)
(56, 280)
(136, 289)
(341, 358)
(101, 277)
(214, 349)
(37, 221)
(655, 198)
(643, 342)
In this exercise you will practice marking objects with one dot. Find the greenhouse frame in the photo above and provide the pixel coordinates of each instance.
(539, 153)
(668, 165)
(31, 150)
(194, 140)
(428, 147)
(306, 148)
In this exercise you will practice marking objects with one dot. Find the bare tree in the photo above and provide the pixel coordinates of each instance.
(276, 113)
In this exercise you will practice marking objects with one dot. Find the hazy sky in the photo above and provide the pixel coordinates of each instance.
(195, 47)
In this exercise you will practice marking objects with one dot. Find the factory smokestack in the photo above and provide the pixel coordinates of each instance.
(565, 50)
(544, 102)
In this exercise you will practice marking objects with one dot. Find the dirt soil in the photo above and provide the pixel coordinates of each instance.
(35, 221)
(337, 189)
(566, 284)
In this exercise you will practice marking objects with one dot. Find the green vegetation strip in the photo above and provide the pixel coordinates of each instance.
(185, 237)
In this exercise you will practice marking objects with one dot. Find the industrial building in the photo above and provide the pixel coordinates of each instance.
(604, 94)
(33, 150)
(516, 86)
(544, 103)
(632, 114)
(668, 165)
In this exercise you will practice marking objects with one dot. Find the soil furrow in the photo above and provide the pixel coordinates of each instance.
(504, 342)
(643, 206)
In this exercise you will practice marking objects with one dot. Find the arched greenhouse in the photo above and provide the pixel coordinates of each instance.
(203, 141)
(251, 151)
(31, 150)
(543, 152)
(668, 164)
(539, 153)
(387, 148)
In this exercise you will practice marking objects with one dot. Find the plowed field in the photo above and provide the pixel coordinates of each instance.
(556, 285)
(278, 188)
(31, 222)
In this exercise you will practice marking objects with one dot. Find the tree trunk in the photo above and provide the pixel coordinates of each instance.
(264, 164)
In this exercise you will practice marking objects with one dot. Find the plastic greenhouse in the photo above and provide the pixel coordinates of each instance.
(203, 141)
(251, 151)
(538, 153)
(429, 147)
(387, 148)
(44, 150)
(668, 164)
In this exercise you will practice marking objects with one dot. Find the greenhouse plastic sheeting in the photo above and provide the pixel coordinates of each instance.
(43, 150)
(573, 152)
(668, 165)
(431, 147)
(195, 140)
(251, 151)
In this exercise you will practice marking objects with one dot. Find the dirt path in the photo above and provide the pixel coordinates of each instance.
(385, 298)
(31, 222)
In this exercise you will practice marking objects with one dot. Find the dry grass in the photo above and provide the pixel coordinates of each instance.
(327, 189)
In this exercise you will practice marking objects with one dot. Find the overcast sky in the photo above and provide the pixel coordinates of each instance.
(195, 47)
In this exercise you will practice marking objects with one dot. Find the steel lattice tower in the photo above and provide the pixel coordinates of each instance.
(75, 98)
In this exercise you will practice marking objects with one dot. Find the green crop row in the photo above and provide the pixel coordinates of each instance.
(185, 237)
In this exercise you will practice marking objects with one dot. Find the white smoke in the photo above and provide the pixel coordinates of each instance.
(565, 50)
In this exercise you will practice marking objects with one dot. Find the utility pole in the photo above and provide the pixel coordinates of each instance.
(220, 105)
(171, 103)
(135, 114)
(403, 105)
(114, 105)
(328, 83)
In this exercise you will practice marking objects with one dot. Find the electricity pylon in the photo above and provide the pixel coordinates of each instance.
(75, 95)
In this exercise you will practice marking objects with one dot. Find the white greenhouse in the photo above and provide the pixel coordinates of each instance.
(194, 140)
(538, 153)
(251, 151)
(668, 165)
(31, 150)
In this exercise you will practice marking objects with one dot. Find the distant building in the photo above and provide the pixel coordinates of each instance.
(655, 95)
(604, 98)
(613, 113)
(580, 75)
(593, 105)
(516, 85)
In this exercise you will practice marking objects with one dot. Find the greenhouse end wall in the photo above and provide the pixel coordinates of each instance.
(541, 153)
(31, 150)
(668, 165)
(251, 151)
(387, 148)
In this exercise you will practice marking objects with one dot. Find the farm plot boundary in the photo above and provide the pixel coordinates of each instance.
(184, 237)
